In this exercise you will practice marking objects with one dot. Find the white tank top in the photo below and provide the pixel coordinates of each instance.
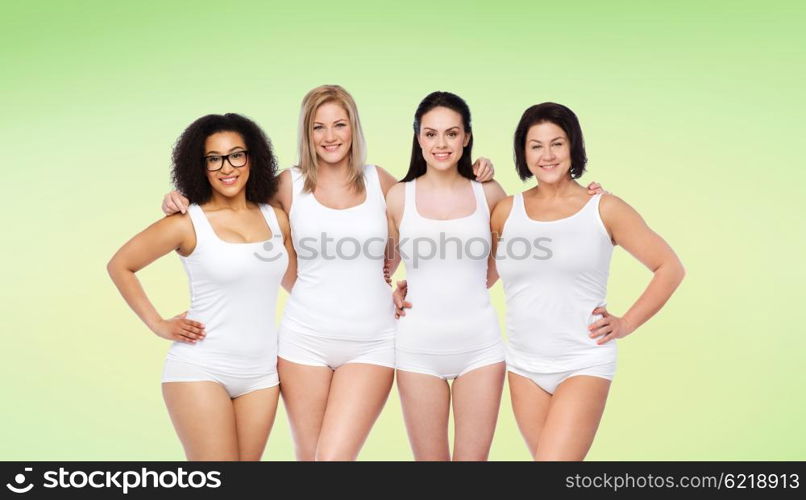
(233, 292)
(447, 287)
(554, 274)
(340, 291)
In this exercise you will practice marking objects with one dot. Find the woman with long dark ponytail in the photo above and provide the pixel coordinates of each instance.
(441, 216)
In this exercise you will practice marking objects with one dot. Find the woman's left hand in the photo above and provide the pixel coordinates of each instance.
(483, 169)
(595, 188)
(399, 298)
(609, 327)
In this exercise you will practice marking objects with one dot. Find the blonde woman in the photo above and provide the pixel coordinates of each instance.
(336, 340)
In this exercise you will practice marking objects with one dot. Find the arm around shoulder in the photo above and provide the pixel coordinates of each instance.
(494, 193)
(395, 201)
(282, 198)
(290, 276)
(387, 180)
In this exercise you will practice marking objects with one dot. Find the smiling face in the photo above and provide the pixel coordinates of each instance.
(548, 152)
(228, 181)
(332, 133)
(442, 138)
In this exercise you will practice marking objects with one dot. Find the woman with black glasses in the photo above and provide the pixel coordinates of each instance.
(220, 380)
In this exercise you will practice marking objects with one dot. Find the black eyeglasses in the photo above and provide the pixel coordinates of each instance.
(216, 162)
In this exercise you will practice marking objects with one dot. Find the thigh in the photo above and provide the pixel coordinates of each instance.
(530, 405)
(305, 391)
(254, 417)
(426, 402)
(476, 397)
(573, 418)
(357, 395)
(204, 419)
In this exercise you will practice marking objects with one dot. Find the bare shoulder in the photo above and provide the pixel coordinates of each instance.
(396, 195)
(620, 219)
(173, 231)
(612, 207)
(177, 223)
(493, 192)
(387, 179)
(395, 201)
(284, 178)
(284, 187)
(492, 187)
(504, 207)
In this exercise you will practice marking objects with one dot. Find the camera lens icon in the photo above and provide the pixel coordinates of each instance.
(19, 479)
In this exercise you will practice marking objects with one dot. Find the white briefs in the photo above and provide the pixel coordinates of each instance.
(235, 384)
(315, 350)
(449, 366)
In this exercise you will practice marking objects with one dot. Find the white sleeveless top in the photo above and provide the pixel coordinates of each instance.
(554, 274)
(233, 292)
(446, 272)
(340, 291)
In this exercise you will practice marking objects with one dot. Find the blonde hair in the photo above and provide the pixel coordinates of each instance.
(308, 163)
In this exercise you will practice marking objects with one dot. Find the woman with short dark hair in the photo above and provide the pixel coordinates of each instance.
(561, 353)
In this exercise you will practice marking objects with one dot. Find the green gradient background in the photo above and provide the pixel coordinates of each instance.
(692, 113)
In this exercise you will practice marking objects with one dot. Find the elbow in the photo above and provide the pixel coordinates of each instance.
(676, 272)
(112, 268)
(116, 268)
(681, 272)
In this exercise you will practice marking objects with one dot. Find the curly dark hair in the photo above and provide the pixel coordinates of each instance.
(189, 173)
(417, 165)
(563, 118)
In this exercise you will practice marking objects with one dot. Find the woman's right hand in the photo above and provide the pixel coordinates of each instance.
(174, 202)
(399, 297)
(180, 329)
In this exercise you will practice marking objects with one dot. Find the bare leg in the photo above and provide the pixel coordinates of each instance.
(204, 419)
(573, 417)
(305, 390)
(358, 392)
(476, 403)
(254, 417)
(426, 401)
(530, 404)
